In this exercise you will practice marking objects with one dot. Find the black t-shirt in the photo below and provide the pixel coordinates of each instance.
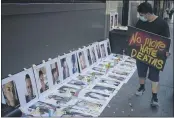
(158, 26)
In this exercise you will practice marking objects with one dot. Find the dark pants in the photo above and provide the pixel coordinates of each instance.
(142, 68)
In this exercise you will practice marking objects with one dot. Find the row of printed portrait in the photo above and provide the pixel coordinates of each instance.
(29, 85)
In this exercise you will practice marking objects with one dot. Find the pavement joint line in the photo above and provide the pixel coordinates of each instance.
(166, 86)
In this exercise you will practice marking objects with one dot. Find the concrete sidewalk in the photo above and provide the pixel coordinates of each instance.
(125, 103)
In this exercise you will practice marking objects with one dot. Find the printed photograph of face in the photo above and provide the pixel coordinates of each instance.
(10, 94)
(65, 69)
(30, 93)
(74, 63)
(112, 21)
(93, 55)
(97, 96)
(103, 50)
(89, 57)
(55, 73)
(82, 60)
(116, 18)
(44, 108)
(108, 48)
(98, 51)
(43, 79)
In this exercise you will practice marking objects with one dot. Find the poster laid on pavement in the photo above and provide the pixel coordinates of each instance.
(57, 99)
(110, 82)
(93, 96)
(78, 83)
(16, 94)
(87, 107)
(41, 109)
(103, 89)
(116, 77)
(86, 78)
(68, 90)
(148, 47)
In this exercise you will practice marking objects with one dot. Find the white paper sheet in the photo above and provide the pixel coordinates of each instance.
(17, 94)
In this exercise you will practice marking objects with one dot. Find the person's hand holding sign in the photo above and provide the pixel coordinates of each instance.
(168, 54)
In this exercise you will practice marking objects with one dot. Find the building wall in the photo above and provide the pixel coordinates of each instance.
(113, 6)
(35, 32)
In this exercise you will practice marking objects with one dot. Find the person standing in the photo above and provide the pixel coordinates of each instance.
(150, 22)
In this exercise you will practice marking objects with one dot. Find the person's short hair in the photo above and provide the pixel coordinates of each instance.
(80, 54)
(73, 59)
(40, 73)
(27, 77)
(53, 70)
(145, 8)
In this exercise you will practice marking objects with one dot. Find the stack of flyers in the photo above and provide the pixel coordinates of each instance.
(116, 77)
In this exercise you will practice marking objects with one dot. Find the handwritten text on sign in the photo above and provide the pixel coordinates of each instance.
(148, 49)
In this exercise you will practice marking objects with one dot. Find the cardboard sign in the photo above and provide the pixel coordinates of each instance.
(148, 47)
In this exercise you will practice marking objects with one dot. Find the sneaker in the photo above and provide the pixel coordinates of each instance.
(140, 91)
(154, 102)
